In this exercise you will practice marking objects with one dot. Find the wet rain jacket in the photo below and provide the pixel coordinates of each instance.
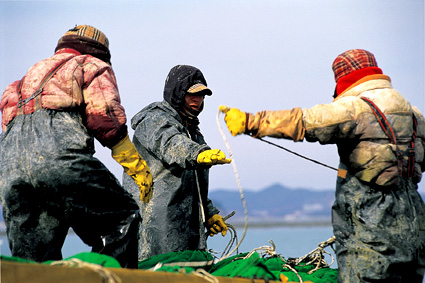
(49, 179)
(378, 217)
(172, 220)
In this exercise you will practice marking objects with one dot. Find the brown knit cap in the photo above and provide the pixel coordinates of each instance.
(352, 60)
(90, 33)
(86, 40)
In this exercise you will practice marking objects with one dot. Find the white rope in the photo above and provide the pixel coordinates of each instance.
(235, 170)
(293, 270)
(270, 251)
(316, 256)
(105, 274)
(205, 275)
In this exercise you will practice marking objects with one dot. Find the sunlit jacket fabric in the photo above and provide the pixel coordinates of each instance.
(172, 220)
(84, 84)
(350, 123)
(378, 218)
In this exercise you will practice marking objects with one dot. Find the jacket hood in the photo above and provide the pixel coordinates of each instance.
(179, 80)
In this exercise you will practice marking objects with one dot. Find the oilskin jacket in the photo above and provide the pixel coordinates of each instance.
(378, 217)
(172, 220)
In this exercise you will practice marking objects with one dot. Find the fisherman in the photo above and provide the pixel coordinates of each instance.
(168, 136)
(49, 179)
(378, 216)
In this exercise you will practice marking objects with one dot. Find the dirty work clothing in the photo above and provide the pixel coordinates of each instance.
(50, 181)
(84, 83)
(378, 216)
(349, 122)
(172, 220)
(380, 232)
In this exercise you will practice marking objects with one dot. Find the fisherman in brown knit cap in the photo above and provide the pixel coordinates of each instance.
(378, 216)
(49, 179)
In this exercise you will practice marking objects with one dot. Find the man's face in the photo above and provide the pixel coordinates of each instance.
(194, 102)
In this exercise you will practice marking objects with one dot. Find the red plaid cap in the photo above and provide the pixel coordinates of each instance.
(351, 60)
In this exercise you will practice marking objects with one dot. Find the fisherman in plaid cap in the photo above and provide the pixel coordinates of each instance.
(49, 179)
(378, 216)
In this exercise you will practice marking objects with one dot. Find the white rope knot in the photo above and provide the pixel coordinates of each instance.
(316, 256)
(267, 250)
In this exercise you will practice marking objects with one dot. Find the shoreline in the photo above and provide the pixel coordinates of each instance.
(270, 224)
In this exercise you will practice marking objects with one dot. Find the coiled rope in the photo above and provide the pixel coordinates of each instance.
(235, 170)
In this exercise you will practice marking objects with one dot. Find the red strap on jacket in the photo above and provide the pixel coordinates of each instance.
(36, 94)
(386, 127)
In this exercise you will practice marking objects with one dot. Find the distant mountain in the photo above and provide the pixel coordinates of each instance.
(273, 205)
(276, 203)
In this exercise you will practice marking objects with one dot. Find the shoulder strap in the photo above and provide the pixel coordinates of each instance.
(411, 150)
(39, 90)
(386, 127)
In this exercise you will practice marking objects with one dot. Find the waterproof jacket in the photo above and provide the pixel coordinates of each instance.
(172, 220)
(84, 84)
(349, 122)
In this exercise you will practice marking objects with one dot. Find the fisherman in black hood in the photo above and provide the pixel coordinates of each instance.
(168, 136)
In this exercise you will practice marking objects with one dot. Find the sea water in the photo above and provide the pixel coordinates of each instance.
(290, 242)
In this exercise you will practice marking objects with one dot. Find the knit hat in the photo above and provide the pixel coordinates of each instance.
(86, 40)
(90, 33)
(352, 60)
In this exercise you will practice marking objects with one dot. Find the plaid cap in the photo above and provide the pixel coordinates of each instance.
(89, 32)
(351, 60)
(198, 88)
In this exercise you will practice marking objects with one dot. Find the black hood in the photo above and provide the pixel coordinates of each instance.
(179, 80)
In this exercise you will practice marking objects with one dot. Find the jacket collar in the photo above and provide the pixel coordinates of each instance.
(367, 83)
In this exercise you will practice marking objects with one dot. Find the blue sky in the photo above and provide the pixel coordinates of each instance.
(255, 55)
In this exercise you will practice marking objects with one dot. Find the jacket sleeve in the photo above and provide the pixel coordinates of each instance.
(105, 115)
(420, 139)
(211, 209)
(166, 138)
(285, 124)
(8, 103)
(326, 123)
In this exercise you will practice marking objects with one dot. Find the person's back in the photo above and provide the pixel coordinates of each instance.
(50, 180)
(378, 216)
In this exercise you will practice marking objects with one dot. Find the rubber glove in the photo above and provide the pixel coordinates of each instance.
(212, 157)
(235, 119)
(216, 224)
(135, 166)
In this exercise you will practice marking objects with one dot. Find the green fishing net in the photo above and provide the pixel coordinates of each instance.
(244, 265)
(89, 257)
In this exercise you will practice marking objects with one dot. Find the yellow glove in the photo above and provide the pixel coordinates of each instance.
(216, 224)
(212, 157)
(126, 154)
(235, 120)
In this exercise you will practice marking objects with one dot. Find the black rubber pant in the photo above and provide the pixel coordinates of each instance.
(50, 181)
